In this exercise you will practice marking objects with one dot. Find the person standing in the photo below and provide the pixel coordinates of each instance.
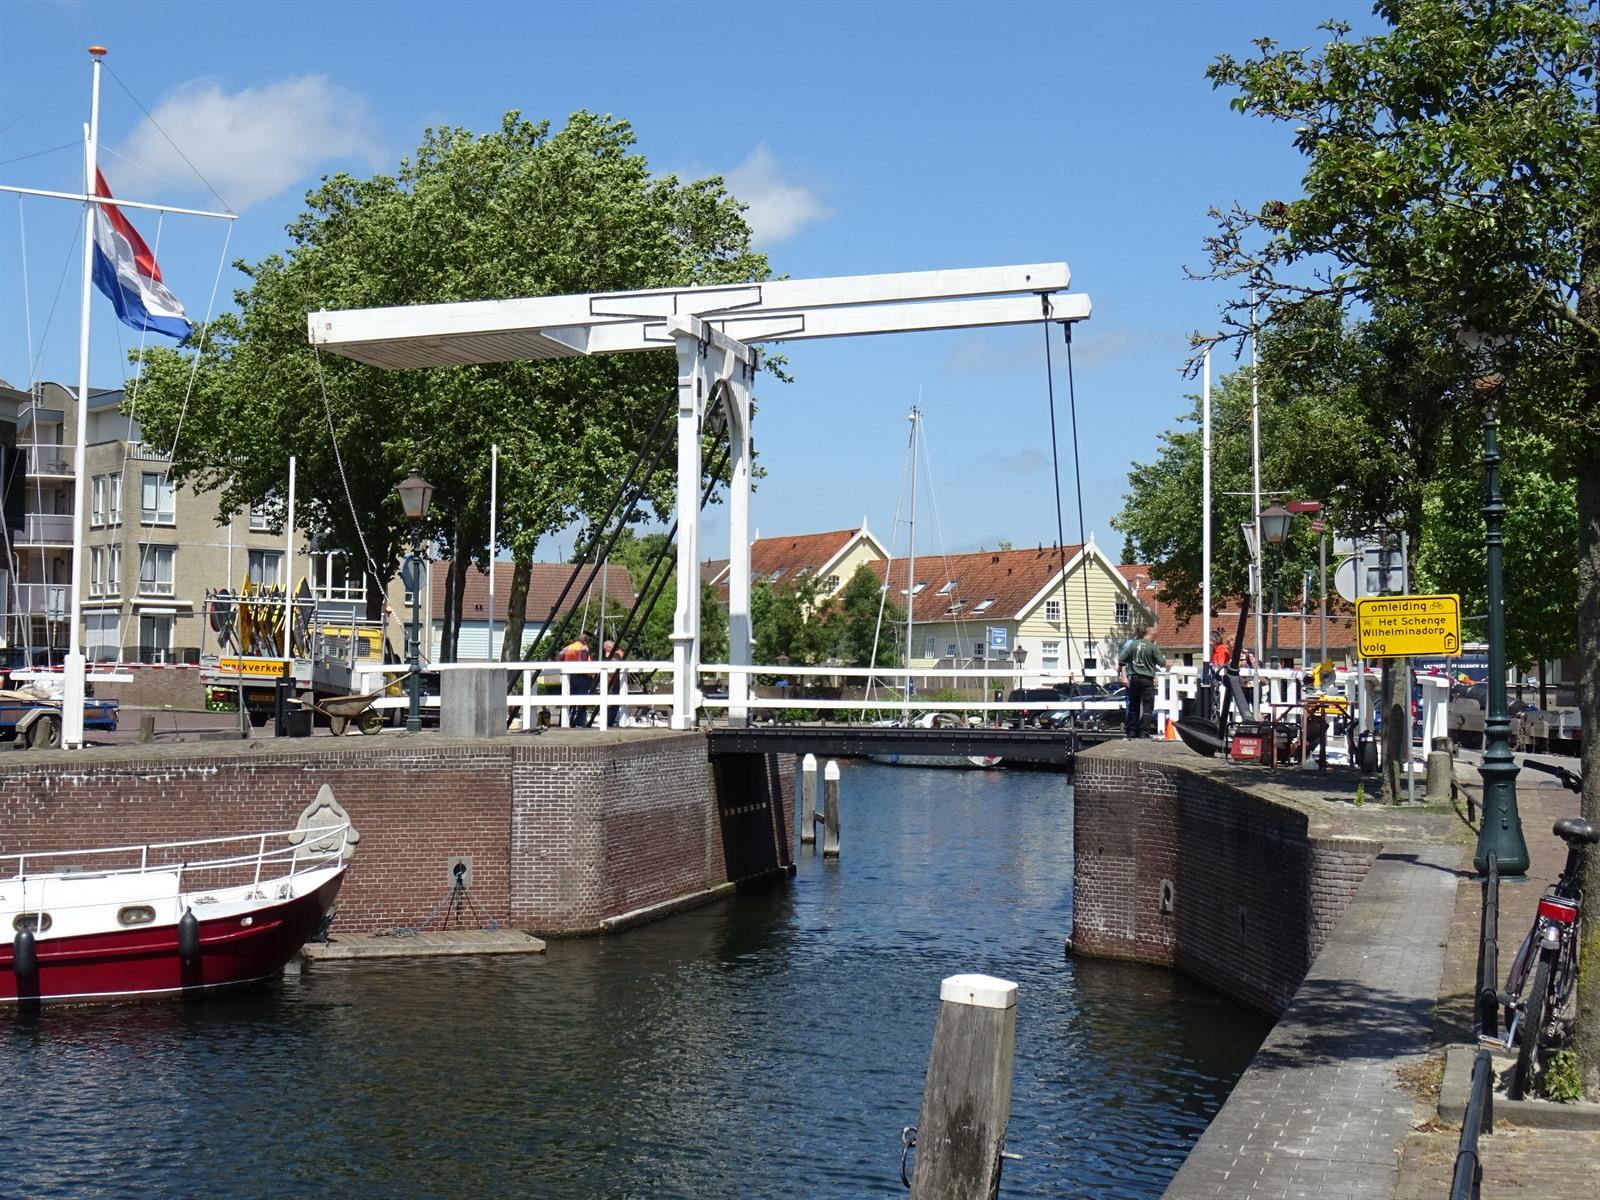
(1138, 663)
(577, 650)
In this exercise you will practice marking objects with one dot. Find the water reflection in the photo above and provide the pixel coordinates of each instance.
(769, 1046)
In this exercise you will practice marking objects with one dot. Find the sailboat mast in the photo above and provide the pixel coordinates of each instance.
(73, 679)
(911, 552)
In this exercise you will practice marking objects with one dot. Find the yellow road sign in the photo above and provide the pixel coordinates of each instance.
(269, 667)
(1401, 626)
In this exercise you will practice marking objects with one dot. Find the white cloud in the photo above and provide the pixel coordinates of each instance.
(778, 209)
(251, 144)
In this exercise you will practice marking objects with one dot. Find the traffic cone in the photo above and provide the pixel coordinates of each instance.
(1172, 731)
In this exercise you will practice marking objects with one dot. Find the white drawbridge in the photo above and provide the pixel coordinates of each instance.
(711, 329)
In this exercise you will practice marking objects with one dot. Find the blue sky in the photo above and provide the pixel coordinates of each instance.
(868, 137)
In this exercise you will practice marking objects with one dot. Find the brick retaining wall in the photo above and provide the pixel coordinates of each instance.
(562, 833)
(1251, 893)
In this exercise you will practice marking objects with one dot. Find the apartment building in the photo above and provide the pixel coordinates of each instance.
(152, 549)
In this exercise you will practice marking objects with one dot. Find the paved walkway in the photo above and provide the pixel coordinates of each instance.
(1320, 1114)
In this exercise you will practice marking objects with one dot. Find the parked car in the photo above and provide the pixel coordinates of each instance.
(1091, 718)
(1029, 717)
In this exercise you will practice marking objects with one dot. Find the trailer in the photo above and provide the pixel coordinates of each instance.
(324, 651)
(36, 720)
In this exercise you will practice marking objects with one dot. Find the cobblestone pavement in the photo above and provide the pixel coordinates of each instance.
(1546, 1164)
(1320, 1114)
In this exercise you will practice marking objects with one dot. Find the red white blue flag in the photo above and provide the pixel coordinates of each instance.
(126, 271)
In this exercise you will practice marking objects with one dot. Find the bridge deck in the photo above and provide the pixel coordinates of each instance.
(856, 741)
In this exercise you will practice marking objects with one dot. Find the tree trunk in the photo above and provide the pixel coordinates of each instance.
(1544, 686)
(1588, 471)
(516, 610)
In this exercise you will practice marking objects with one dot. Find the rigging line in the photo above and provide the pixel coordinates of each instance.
(176, 148)
(1055, 476)
(142, 167)
(76, 145)
(344, 479)
(71, 77)
(888, 582)
(944, 553)
(1077, 472)
(61, 283)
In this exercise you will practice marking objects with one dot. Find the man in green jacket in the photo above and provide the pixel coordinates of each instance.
(1139, 661)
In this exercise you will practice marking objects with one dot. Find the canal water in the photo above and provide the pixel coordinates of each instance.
(770, 1046)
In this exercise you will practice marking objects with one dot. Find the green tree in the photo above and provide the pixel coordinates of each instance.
(862, 615)
(787, 620)
(1453, 164)
(525, 210)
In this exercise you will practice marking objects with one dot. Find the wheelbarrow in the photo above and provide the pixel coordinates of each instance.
(344, 711)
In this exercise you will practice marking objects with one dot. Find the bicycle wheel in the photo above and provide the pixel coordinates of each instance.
(1532, 1032)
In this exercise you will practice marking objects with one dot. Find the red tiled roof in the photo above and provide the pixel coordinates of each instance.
(1181, 635)
(801, 552)
(1010, 578)
(543, 587)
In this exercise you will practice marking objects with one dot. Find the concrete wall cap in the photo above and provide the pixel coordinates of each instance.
(980, 991)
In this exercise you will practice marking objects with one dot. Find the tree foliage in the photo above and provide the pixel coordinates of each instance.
(525, 210)
(1453, 166)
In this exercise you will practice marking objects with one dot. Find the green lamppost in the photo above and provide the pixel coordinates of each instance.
(415, 492)
(1500, 832)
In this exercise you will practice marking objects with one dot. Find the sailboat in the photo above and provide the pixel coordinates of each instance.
(932, 720)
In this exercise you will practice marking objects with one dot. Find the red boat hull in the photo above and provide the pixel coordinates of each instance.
(130, 963)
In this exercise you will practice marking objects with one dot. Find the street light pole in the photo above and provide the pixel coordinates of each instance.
(1500, 831)
(415, 493)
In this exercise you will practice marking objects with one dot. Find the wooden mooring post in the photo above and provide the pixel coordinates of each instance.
(808, 800)
(830, 809)
(966, 1101)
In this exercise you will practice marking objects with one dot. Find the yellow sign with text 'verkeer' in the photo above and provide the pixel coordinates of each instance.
(1401, 626)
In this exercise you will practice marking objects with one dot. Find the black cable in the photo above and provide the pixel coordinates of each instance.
(1055, 475)
(650, 442)
(1077, 473)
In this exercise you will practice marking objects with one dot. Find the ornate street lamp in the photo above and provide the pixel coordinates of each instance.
(1500, 831)
(1274, 532)
(415, 494)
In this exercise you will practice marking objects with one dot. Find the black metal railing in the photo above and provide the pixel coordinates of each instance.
(1467, 1184)
(1488, 1016)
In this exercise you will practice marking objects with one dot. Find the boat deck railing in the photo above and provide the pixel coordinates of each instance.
(291, 852)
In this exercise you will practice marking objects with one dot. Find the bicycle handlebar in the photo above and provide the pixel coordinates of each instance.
(1572, 780)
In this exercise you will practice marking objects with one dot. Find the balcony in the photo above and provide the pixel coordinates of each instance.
(46, 529)
(145, 452)
(46, 459)
(42, 600)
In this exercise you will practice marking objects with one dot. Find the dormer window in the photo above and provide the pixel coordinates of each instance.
(917, 591)
(984, 605)
(954, 608)
(776, 575)
(948, 587)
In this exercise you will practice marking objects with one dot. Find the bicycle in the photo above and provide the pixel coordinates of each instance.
(1537, 1018)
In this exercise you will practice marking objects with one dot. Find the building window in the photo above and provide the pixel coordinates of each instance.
(260, 519)
(113, 571)
(1050, 656)
(979, 650)
(97, 569)
(155, 638)
(114, 498)
(332, 578)
(157, 499)
(833, 583)
(951, 650)
(103, 641)
(949, 587)
(917, 590)
(984, 605)
(954, 608)
(1052, 611)
(97, 513)
(1123, 612)
(930, 646)
(265, 568)
(155, 572)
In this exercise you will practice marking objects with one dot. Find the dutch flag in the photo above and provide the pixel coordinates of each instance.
(126, 271)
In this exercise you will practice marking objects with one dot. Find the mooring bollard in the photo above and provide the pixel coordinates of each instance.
(830, 808)
(966, 1101)
(1441, 777)
(808, 800)
(147, 728)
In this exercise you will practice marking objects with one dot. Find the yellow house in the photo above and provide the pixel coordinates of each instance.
(971, 611)
(829, 558)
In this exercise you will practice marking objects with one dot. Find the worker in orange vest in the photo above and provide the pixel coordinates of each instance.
(577, 650)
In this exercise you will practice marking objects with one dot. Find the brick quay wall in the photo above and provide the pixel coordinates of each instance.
(1226, 875)
(565, 831)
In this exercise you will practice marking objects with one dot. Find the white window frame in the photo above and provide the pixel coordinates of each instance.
(930, 646)
(113, 579)
(264, 558)
(260, 519)
(1052, 611)
(1050, 656)
(322, 572)
(980, 650)
(97, 566)
(833, 583)
(1124, 610)
(165, 509)
(952, 650)
(154, 555)
(97, 513)
(154, 621)
(114, 498)
(984, 605)
(950, 586)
